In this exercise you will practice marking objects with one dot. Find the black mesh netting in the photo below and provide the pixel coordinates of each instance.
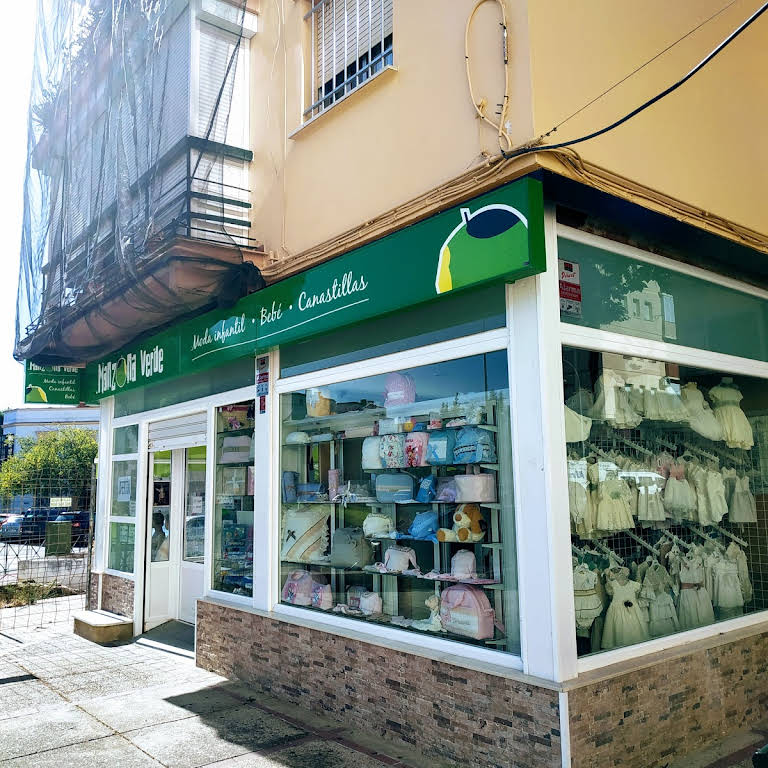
(135, 198)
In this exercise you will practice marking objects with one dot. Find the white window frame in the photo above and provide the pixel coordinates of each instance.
(318, 9)
(571, 335)
(477, 344)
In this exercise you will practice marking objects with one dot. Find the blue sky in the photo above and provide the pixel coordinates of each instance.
(16, 61)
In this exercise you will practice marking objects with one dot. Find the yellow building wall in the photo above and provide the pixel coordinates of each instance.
(703, 143)
(399, 136)
(413, 129)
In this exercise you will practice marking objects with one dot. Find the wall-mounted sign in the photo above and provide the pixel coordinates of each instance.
(497, 236)
(55, 384)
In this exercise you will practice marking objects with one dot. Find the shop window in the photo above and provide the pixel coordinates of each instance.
(645, 300)
(124, 488)
(667, 479)
(121, 541)
(233, 500)
(397, 501)
(126, 440)
(194, 499)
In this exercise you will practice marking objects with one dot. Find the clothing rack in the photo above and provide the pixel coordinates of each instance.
(684, 544)
(635, 446)
(608, 552)
(665, 443)
(704, 535)
(701, 452)
(642, 542)
(598, 451)
(730, 535)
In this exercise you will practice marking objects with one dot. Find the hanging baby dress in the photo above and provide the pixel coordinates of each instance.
(577, 427)
(726, 595)
(697, 477)
(580, 500)
(669, 402)
(650, 507)
(679, 497)
(624, 621)
(743, 508)
(588, 599)
(736, 428)
(701, 419)
(735, 553)
(718, 507)
(612, 402)
(694, 605)
(613, 509)
(657, 591)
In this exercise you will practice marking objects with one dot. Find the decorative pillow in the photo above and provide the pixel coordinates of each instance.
(305, 533)
(392, 451)
(416, 449)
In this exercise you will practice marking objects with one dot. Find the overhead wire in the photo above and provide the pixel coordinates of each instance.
(638, 69)
(538, 147)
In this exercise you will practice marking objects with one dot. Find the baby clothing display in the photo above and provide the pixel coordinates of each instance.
(694, 607)
(742, 508)
(701, 418)
(613, 507)
(658, 590)
(588, 598)
(737, 430)
(612, 403)
(577, 427)
(625, 623)
(679, 498)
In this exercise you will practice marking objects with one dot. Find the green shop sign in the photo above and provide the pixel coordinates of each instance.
(497, 236)
(55, 385)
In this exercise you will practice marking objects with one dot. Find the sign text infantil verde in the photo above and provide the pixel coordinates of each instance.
(56, 384)
(497, 236)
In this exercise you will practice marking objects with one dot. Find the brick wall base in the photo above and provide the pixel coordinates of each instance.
(460, 716)
(651, 716)
(116, 594)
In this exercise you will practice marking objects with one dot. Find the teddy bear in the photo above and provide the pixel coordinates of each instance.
(433, 623)
(468, 525)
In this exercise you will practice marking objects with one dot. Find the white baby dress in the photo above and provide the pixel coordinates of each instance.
(577, 427)
(743, 508)
(657, 591)
(625, 623)
(613, 509)
(612, 403)
(700, 416)
(588, 598)
(694, 605)
(736, 428)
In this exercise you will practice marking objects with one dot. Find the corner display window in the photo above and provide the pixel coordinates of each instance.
(667, 471)
(233, 500)
(397, 501)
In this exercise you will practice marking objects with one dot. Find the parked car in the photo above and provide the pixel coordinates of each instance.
(35, 519)
(81, 524)
(11, 527)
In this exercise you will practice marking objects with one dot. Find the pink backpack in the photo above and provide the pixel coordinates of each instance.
(465, 610)
(301, 589)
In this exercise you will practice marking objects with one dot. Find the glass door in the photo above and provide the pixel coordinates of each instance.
(161, 561)
(193, 551)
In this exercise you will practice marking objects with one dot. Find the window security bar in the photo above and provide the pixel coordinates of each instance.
(362, 74)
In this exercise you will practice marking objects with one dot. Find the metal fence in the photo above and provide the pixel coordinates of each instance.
(46, 544)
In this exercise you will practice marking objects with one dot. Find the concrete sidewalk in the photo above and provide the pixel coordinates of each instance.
(66, 702)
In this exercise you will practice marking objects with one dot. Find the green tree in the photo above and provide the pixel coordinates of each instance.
(57, 463)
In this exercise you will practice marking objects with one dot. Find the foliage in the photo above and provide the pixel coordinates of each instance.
(55, 464)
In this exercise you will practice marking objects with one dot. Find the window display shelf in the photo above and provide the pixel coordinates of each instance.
(248, 463)
(243, 431)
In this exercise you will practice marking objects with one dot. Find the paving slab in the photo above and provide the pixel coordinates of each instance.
(109, 752)
(59, 728)
(201, 740)
(316, 753)
(159, 705)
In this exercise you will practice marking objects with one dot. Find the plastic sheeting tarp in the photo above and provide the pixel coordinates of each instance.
(128, 151)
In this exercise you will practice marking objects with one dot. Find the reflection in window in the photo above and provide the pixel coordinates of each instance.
(194, 520)
(121, 541)
(160, 513)
(667, 471)
(397, 501)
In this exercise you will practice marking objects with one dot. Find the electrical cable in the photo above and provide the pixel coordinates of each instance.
(527, 149)
(481, 105)
(638, 69)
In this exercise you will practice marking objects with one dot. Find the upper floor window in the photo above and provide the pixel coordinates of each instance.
(351, 42)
